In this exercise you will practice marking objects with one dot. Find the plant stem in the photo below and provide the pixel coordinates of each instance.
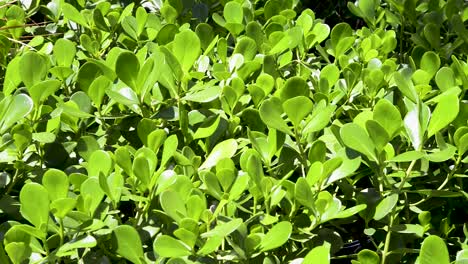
(394, 211)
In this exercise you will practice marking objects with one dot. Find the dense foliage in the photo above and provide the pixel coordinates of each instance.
(242, 131)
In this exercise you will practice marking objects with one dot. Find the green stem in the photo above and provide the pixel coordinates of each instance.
(393, 213)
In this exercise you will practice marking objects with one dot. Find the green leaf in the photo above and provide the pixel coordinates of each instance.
(127, 68)
(407, 156)
(430, 63)
(406, 87)
(378, 135)
(320, 118)
(33, 68)
(186, 54)
(71, 13)
(169, 247)
(130, 26)
(270, 113)
(303, 193)
(295, 86)
(97, 90)
(208, 127)
(205, 95)
(64, 52)
(433, 250)
(34, 200)
(127, 97)
(86, 241)
(388, 116)
(367, 256)
(368, 9)
(445, 112)
(12, 76)
(320, 254)
(445, 79)
(385, 206)
(56, 183)
(173, 205)
(42, 90)
(355, 137)
(351, 211)
(297, 114)
(409, 229)
(19, 106)
(100, 162)
(129, 243)
(62, 206)
(276, 236)
(222, 150)
(170, 146)
(233, 12)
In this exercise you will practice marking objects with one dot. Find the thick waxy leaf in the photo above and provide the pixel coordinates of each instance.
(33, 68)
(17, 107)
(433, 250)
(34, 200)
(186, 54)
(169, 247)
(297, 108)
(295, 86)
(80, 242)
(367, 256)
(64, 52)
(320, 254)
(70, 12)
(270, 113)
(385, 206)
(127, 68)
(355, 137)
(406, 87)
(276, 236)
(56, 183)
(233, 12)
(388, 116)
(445, 112)
(222, 150)
(40, 91)
(129, 243)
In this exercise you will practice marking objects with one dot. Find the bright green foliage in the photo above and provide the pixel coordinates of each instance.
(234, 131)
